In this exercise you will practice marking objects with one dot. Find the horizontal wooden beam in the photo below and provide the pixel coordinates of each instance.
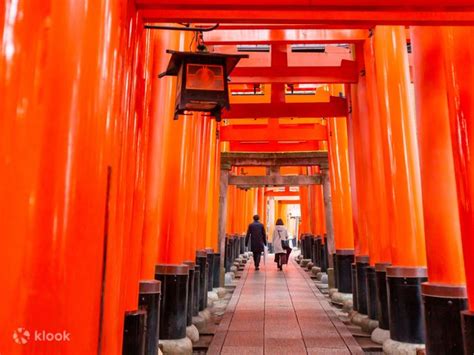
(274, 146)
(283, 26)
(229, 159)
(433, 13)
(288, 202)
(336, 107)
(274, 180)
(286, 36)
(308, 5)
(282, 193)
(345, 73)
(256, 133)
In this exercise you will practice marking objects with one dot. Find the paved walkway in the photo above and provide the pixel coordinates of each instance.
(280, 312)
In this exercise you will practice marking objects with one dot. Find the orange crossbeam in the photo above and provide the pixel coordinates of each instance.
(389, 13)
(274, 146)
(280, 133)
(252, 36)
(345, 73)
(289, 202)
(283, 26)
(282, 193)
(309, 5)
(336, 107)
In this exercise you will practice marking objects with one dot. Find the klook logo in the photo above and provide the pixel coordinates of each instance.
(22, 336)
(49, 336)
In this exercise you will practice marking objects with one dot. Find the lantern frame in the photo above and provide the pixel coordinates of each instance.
(201, 99)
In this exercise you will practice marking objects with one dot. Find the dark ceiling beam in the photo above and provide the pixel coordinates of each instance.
(274, 180)
(229, 159)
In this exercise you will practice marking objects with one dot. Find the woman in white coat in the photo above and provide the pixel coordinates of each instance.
(282, 250)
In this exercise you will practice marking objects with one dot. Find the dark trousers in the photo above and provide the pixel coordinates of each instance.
(256, 258)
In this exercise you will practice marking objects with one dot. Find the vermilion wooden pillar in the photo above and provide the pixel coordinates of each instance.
(232, 207)
(243, 207)
(360, 157)
(319, 200)
(265, 213)
(197, 190)
(161, 112)
(341, 198)
(278, 209)
(216, 187)
(253, 203)
(236, 210)
(178, 202)
(305, 226)
(315, 205)
(213, 191)
(240, 210)
(445, 293)
(312, 224)
(203, 182)
(459, 56)
(379, 239)
(379, 246)
(137, 147)
(398, 130)
(236, 216)
(231, 201)
(261, 203)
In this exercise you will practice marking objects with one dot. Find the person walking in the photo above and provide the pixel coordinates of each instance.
(258, 239)
(281, 244)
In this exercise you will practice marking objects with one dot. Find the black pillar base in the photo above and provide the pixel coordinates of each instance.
(315, 254)
(210, 269)
(468, 331)
(174, 300)
(216, 274)
(324, 256)
(354, 290)
(236, 253)
(303, 246)
(371, 293)
(149, 301)
(320, 249)
(334, 260)
(197, 289)
(134, 333)
(382, 295)
(406, 304)
(443, 306)
(191, 294)
(362, 262)
(201, 260)
(344, 259)
(308, 246)
(226, 254)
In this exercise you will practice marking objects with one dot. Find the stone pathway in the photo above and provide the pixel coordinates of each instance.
(280, 312)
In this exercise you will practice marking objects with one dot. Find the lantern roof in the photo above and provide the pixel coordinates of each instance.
(177, 59)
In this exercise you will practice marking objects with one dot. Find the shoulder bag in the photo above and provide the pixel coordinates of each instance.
(284, 242)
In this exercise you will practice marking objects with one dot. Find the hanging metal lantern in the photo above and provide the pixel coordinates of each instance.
(202, 80)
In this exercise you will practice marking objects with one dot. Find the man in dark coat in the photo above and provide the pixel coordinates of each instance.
(258, 239)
